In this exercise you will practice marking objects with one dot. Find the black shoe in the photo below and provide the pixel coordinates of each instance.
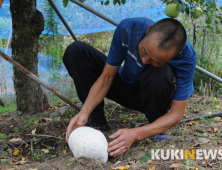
(97, 127)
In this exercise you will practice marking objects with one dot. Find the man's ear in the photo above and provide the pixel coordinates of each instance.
(149, 26)
(180, 53)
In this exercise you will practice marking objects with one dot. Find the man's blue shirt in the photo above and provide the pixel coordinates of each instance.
(124, 48)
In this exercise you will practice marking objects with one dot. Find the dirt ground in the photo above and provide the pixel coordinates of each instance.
(46, 149)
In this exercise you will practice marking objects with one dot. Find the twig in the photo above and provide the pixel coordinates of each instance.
(64, 124)
(32, 150)
(12, 146)
(100, 164)
(45, 136)
(114, 109)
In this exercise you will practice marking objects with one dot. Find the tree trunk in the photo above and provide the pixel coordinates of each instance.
(27, 25)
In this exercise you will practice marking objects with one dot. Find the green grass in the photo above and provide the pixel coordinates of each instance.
(3, 136)
(9, 106)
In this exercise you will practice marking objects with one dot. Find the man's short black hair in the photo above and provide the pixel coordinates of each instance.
(173, 34)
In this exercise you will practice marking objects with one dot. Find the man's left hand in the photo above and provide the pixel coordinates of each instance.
(123, 139)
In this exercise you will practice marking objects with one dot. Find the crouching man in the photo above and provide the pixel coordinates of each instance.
(149, 68)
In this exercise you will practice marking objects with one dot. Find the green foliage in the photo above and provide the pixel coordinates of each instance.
(31, 120)
(9, 106)
(188, 165)
(145, 158)
(123, 116)
(3, 162)
(208, 8)
(71, 112)
(207, 44)
(16, 130)
(65, 3)
(54, 46)
(214, 104)
(107, 2)
(3, 136)
(38, 155)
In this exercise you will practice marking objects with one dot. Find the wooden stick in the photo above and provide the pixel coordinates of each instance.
(49, 136)
(36, 79)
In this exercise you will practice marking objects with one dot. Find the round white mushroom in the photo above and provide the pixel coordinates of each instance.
(88, 142)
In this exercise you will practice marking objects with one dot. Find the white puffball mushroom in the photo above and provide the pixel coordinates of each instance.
(88, 142)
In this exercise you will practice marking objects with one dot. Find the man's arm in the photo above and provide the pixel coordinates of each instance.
(100, 88)
(125, 137)
(165, 122)
(97, 92)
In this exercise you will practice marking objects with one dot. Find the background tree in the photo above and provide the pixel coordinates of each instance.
(27, 25)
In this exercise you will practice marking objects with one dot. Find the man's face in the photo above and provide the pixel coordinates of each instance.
(151, 54)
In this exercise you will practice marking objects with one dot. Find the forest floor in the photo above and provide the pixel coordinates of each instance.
(39, 141)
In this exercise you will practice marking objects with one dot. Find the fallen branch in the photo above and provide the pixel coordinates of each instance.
(49, 136)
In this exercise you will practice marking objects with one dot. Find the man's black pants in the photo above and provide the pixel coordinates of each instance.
(151, 95)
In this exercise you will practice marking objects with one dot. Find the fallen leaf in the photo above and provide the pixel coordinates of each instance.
(16, 152)
(11, 126)
(217, 118)
(47, 119)
(203, 140)
(210, 165)
(150, 161)
(33, 131)
(151, 167)
(55, 107)
(212, 130)
(59, 102)
(124, 121)
(16, 140)
(220, 147)
(123, 168)
(45, 150)
(120, 168)
(41, 110)
(25, 158)
(129, 117)
(195, 146)
(34, 122)
(194, 121)
(15, 162)
(176, 166)
(148, 141)
(172, 146)
(64, 151)
(204, 164)
(117, 162)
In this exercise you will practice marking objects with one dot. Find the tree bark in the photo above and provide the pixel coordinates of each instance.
(27, 25)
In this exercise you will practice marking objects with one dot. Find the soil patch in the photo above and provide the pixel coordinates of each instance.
(46, 149)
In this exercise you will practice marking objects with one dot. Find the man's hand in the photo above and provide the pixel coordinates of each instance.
(77, 121)
(123, 139)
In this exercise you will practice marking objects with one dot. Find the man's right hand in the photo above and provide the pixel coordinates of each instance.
(77, 121)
